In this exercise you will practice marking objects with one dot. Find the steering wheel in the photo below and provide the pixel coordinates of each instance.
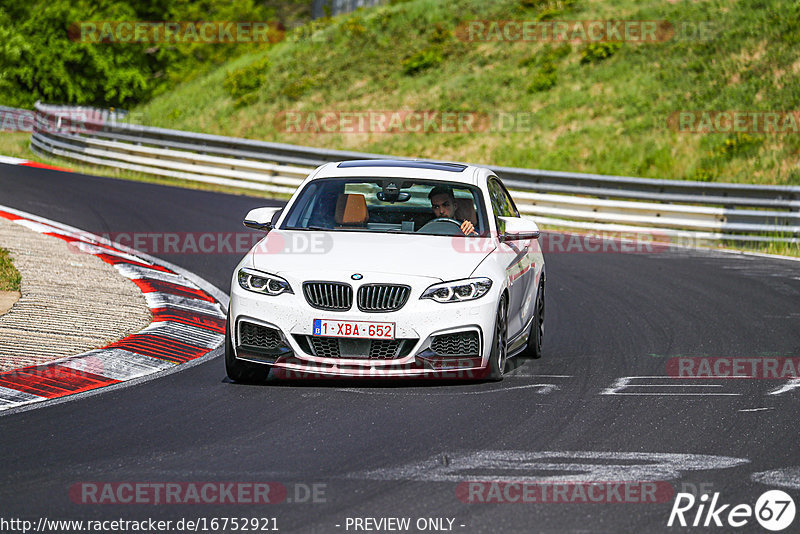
(439, 224)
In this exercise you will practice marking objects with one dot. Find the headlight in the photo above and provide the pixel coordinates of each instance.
(458, 290)
(267, 284)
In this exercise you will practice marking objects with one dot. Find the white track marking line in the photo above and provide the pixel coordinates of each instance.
(625, 382)
(538, 466)
(789, 386)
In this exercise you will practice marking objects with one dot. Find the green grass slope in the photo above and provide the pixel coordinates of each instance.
(595, 108)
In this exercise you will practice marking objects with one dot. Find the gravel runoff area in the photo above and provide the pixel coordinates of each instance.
(71, 302)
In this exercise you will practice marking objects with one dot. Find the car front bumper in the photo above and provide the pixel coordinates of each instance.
(418, 324)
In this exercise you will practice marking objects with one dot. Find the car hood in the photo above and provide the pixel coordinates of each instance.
(440, 257)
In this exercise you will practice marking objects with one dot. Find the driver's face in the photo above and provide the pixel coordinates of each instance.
(443, 206)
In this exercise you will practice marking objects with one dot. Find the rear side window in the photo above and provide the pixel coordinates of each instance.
(502, 204)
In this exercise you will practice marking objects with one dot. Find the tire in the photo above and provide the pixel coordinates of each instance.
(238, 370)
(536, 334)
(499, 355)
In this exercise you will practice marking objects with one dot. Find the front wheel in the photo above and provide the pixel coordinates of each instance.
(238, 370)
(497, 359)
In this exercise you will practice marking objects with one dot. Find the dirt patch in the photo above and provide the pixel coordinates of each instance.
(7, 299)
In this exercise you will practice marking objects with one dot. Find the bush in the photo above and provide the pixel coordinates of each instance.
(704, 174)
(296, 89)
(596, 52)
(242, 83)
(43, 58)
(440, 35)
(741, 144)
(353, 28)
(422, 60)
(544, 79)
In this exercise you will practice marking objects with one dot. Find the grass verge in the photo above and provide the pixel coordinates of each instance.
(10, 279)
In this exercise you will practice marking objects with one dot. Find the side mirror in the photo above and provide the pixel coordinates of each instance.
(519, 229)
(262, 218)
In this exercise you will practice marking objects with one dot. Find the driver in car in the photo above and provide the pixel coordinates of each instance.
(443, 203)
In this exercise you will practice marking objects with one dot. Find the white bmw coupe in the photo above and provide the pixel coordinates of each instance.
(388, 268)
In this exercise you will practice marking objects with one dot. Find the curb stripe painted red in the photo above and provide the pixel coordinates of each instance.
(52, 380)
(193, 319)
(160, 347)
(187, 323)
(27, 163)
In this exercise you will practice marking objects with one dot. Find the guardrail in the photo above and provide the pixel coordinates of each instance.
(692, 210)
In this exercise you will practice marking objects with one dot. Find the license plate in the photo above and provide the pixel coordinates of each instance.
(354, 329)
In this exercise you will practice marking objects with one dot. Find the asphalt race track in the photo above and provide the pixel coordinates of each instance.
(598, 407)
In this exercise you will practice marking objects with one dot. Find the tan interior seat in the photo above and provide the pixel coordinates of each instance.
(351, 210)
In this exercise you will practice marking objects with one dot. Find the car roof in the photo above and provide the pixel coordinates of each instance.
(420, 169)
(412, 164)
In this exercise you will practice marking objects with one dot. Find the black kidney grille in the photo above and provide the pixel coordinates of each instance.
(333, 296)
(382, 297)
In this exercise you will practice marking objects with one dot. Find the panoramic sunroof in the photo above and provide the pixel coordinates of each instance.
(431, 165)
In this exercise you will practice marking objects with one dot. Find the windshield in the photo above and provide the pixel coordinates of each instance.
(387, 205)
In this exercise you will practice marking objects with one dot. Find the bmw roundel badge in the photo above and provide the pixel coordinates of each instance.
(357, 276)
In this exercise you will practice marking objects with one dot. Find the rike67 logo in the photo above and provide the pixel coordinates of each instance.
(774, 510)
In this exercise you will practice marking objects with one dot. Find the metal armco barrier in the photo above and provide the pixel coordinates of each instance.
(691, 210)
